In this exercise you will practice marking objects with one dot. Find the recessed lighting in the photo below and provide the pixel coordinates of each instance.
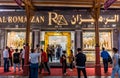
(113, 25)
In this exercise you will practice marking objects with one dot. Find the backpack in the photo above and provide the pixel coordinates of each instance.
(16, 57)
(110, 59)
(119, 60)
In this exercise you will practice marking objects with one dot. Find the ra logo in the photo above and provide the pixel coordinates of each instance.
(57, 19)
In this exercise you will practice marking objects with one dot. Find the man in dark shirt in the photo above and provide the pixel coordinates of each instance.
(80, 59)
(105, 55)
(16, 60)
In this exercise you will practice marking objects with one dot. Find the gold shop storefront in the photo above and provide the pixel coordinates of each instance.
(65, 29)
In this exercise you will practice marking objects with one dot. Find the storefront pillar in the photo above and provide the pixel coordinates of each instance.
(35, 37)
(78, 39)
(95, 14)
(2, 44)
(116, 37)
(28, 14)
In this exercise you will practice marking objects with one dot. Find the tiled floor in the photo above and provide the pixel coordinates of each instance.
(56, 77)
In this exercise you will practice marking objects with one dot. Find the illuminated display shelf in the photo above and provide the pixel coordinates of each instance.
(16, 39)
(89, 40)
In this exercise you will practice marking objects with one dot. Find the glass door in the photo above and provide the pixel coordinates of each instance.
(55, 43)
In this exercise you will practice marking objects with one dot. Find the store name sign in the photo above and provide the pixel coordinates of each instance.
(20, 19)
(52, 18)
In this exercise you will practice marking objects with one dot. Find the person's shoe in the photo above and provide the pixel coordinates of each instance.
(65, 74)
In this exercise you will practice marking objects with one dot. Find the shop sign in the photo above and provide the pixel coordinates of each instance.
(53, 18)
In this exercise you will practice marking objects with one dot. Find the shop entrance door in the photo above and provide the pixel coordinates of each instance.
(57, 42)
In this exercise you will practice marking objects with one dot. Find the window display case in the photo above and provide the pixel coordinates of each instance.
(17, 39)
(105, 40)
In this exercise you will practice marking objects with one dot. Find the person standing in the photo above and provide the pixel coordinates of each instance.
(49, 52)
(105, 55)
(59, 49)
(23, 56)
(6, 59)
(80, 60)
(64, 63)
(10, 55)
(37, 48)
(115, 66)
(16, 60)
(34, 64)
(71, 59)
(44, 61)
